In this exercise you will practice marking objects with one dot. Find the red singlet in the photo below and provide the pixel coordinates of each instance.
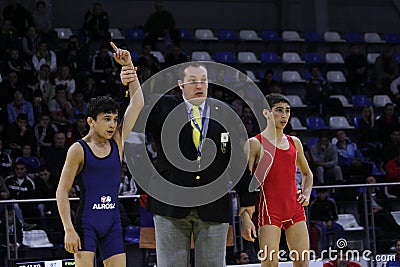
(278, 192)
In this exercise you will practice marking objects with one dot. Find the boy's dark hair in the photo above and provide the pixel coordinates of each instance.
(181, 74)
(275, 98)
(101, 104)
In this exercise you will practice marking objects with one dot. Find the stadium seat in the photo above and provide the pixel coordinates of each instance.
(201, 56)
(270, 57)
(249, 35)
(360, 100)
(270, 36)
(227, 35)
(291, 36)
(343, 100)
(311, 141)
(315, 123)
(63, 33)
(291, 58)
(134, 55)
(353, 37)
(312, 37)
(373, 38)
(392, 38)
(339, 122)
(224, 57)
(356, 121)
(296, 124)
(335, 77)
(371, 58)
(251, 76)
(334, 58)
(295, 101)
(158, 55)
(132, 234)
(397, 57)
(291, 77)
(381, 100)
(204, 34)
(333, 37)
(186, 34)
(116, 34)
(313, 58)
(36, 239)
(247, 57)
(349, 222)
(135, 34)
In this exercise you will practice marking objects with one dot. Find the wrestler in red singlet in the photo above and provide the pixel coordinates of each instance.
(278, 192)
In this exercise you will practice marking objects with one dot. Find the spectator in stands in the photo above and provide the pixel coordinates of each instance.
(15, 227)
(317, 88)
(392, 169)
(78, 103)
(18, 63)
(75, 56)
(241, 257)
(380, 204)
(103, 68)
(387, 122)
(54, 156)
(396, 261)
(4, 194)
(30, 42)
(90, 88)
(20, 105)
(60, 108)
(7, 88)
(20, 187)
(38, 105)
(323, 213)
(43, 21)
(356, 66)
(342, 260)
(45, 188)
(249, 121)
(43, 83)
(127, 185)
(177, 56)
(44, 55)
(367, 135)
(386, 70)
(148, 60)
(96, 23)
(77, 131)
(18, 15)
(65, 78)
(18, 134)
(5, 162)
(267, 82)
(44, 132)
(161, 24)
(325, 159)
(350, 159)
(8, 37)
(32, 163)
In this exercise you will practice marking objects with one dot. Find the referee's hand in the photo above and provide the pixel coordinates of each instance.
(72, 242)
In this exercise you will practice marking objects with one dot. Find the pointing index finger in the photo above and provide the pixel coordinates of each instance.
(114, 46)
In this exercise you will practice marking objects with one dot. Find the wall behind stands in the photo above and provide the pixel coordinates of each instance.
(302, 15)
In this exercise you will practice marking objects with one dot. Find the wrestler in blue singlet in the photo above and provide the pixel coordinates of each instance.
(98, 219)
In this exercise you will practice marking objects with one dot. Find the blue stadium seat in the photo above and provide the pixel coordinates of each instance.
(312, 37)
(227, 35)
(313, 58)
(360, 100)
(315, 123)
(397, 57)
(224, 57)
(134, 55)
(132, 234)
(311, 141)
(392, 38)
(270, 36)
(270, 57)
(356, 121)
(135, 34)
(353, 37)
(186, 34)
